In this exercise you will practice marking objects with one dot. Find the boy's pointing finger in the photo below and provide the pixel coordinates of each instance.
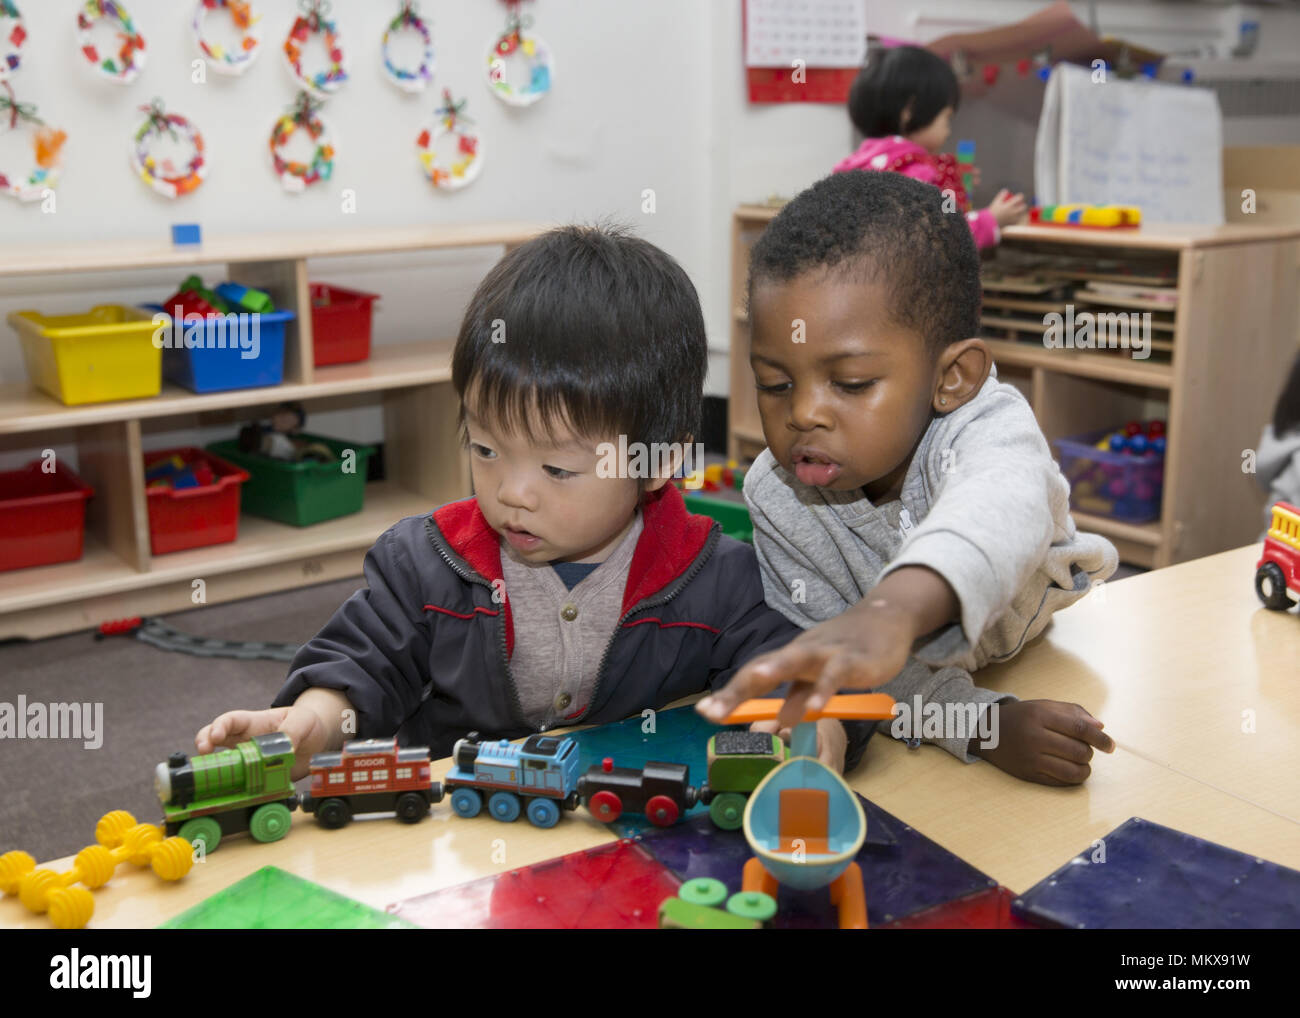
(759, 677)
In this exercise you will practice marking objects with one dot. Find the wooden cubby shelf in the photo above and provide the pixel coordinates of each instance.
(1218, 353)
(117, 576)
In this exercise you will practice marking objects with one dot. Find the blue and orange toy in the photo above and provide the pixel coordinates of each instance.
(1098, 217)
(1277, 574)
(803, 821)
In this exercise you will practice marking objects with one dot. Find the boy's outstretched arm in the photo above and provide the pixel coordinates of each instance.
(864, 647)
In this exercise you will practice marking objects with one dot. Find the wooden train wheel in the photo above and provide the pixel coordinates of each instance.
(411, 807)
(270, 822)
(605, 806)
(202, 830)
(333, 813)
(662, 811)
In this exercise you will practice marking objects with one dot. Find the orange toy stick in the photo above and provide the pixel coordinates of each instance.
(849, 707)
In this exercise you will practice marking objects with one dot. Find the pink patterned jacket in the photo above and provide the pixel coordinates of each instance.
(902, 156)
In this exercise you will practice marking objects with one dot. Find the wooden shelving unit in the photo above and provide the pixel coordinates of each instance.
(117, 575)
(1218, 355)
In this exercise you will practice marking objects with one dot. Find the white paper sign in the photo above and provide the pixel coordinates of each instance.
(821, 33)
(1147, 143)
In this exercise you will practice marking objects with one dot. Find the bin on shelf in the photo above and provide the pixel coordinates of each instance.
(104, 354)
(733, 516)
(224, 361)
(194, 517)
(301, 493)
(1122, 486)
(42, 516)
(340, 324)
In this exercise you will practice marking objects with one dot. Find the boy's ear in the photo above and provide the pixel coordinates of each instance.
(962, 370)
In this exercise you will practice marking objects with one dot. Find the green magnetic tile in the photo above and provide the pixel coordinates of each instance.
(272, 899)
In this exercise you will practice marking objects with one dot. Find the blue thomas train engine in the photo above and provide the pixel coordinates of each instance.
(539, 776)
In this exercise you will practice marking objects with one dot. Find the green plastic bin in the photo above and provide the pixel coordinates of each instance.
(733, 516)
(300, 494)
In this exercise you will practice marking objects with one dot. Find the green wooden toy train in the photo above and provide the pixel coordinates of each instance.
(231, 791)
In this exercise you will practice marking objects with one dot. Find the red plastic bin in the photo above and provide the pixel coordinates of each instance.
(194, 517)
(340, 324)
(42, 516)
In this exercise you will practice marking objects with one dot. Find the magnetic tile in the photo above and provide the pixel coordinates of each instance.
(903, 871)
(271, 899)
(1154, 877)
(617, 886)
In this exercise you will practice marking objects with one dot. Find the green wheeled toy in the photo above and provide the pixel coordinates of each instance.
(231, 791)
(738, 761)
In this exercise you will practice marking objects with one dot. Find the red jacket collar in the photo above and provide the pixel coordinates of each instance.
(671, 540)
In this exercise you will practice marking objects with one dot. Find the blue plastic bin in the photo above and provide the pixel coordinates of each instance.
(212, 368)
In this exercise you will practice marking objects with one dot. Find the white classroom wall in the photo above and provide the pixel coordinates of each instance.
(647, 95)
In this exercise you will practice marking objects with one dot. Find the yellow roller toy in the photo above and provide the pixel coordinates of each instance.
(120, 839)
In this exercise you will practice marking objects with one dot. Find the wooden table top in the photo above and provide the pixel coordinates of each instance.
(1198, 684)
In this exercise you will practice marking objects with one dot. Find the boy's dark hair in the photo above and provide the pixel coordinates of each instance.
(1286, 415)
(892, 79)
(868, 225)
(595, 329)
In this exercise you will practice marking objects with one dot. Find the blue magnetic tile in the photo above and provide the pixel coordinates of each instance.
(903, 872)
(680, 735)
(186, 233)
(1154, 877)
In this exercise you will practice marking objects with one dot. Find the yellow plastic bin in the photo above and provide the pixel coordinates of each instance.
(104, 354)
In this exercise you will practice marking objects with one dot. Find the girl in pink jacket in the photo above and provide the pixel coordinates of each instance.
(903, 102)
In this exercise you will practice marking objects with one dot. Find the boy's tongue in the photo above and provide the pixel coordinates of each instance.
(818, 474)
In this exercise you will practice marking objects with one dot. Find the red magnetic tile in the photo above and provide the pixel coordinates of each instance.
(616, 886)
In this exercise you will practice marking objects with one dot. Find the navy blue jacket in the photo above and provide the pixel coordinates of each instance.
(424, 650)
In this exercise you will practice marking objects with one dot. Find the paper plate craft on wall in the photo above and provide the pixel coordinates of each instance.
(12, 37)
(519, 64)
(47, 148)
(125, 67)
(314, 21)
(408, 27)
(159, 145)
(296, 175)
(449, 148)
(234, 59)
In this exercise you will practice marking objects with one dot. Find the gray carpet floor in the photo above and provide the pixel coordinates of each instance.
(53, 792)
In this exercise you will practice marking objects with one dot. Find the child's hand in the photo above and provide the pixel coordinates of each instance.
(299, 722)
(832, 740)
(1008, 209)
(1045, 741)
(860, 649)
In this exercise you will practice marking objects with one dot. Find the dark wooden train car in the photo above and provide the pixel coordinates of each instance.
(662, 791)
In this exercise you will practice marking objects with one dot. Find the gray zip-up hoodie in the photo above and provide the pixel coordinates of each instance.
(983, 504)
(1277, 469)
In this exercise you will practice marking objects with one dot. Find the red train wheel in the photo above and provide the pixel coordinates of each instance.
(662, 811)
(605, 807)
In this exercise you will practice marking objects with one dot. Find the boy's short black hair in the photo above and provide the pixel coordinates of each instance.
(892, 79)
(873, 225)
(592, 328)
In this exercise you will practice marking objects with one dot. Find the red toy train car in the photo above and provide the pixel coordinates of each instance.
(1277, 574)
(371, 776)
